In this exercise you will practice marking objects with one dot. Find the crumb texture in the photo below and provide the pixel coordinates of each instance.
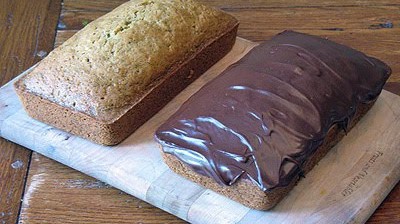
(110, 63)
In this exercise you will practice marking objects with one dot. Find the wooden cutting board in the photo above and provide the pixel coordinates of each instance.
(345, 187)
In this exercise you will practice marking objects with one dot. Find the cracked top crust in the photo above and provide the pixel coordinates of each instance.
(109, 65)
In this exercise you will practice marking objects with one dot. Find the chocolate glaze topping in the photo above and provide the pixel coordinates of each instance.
(265, 115)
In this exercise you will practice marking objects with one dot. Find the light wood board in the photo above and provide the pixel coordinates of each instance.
(345, 187)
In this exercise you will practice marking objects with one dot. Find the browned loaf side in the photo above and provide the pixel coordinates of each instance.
(246, 192)
(108, 99)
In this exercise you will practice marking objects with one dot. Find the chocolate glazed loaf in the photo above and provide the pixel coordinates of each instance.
(253, 131)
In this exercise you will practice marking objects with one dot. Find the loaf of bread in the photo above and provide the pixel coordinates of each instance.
(253, 131)
(119, 70)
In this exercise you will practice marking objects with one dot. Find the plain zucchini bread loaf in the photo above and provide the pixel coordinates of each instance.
(119, 70)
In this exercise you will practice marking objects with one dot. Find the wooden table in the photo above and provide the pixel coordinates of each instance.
(34, 189)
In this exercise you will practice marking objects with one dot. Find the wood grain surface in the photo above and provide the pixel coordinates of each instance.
(27, 32)
(370, 26)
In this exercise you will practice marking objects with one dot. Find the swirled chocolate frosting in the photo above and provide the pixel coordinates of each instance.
(266, 114)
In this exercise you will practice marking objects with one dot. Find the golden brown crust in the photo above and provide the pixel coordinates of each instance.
(110, 64)
(163, 90)
(246, 192)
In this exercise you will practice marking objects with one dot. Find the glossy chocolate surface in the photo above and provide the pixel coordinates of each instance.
(265, 115)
